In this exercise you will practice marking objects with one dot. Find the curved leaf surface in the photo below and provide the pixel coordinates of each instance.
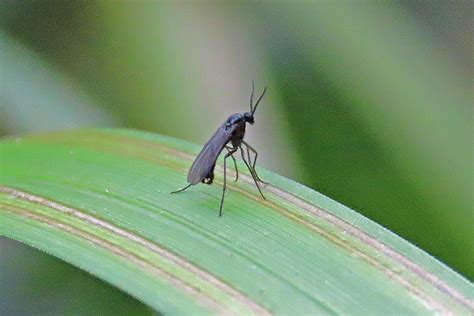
(100, 200)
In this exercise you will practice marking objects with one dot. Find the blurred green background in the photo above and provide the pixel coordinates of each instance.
(368, 103)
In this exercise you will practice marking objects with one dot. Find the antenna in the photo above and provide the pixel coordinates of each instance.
(251, 97)
(258, 101)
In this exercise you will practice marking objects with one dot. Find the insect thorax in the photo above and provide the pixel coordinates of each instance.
(235, 119)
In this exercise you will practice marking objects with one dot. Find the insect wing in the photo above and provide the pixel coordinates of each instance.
(205, 161)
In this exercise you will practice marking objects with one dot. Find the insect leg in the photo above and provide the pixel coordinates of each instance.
(250, 148)
(251, 171)
(225, 168)
(248, 156)
(253, 165)
(235, 163)
(245, 161)
(181, 190)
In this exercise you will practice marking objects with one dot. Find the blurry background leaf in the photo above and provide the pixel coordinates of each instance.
(35, 97)
(33, 282)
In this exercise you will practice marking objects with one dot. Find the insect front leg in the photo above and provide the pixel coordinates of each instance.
(251, 171)
(231, 151)
(250, 148)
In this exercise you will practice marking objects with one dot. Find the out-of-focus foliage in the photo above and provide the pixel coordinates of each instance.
(50, 286)
(368, 103)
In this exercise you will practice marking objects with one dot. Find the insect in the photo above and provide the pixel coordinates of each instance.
(230, 135)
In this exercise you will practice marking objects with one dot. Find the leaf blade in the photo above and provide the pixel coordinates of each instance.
(290, 253)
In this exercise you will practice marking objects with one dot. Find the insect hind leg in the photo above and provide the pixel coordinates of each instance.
(233, 150)
(181, 190)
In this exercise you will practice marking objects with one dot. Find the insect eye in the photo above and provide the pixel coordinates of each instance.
(248, 117)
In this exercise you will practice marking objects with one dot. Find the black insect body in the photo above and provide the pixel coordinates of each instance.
(230, 135)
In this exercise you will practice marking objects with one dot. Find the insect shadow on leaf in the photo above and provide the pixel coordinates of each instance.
(230, 135)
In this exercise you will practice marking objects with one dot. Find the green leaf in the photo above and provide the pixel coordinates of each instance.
(100, 200)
